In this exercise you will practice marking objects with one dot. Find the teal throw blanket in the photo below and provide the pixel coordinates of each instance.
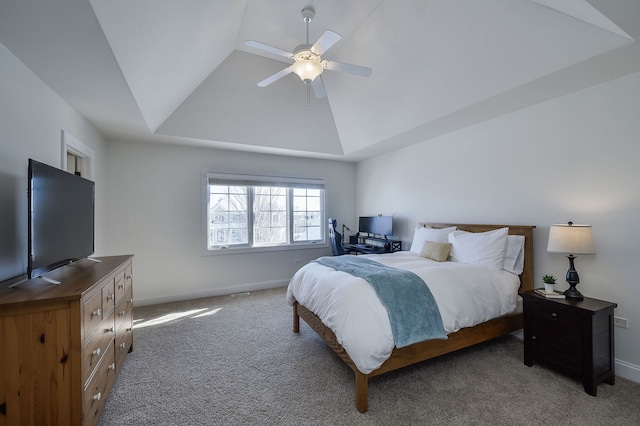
(413, 313)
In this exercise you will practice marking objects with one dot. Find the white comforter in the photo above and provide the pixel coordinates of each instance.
(466, 295)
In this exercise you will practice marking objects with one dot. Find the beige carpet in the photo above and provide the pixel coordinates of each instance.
(235, 361)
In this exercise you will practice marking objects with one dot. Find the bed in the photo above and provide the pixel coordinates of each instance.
(391, 358)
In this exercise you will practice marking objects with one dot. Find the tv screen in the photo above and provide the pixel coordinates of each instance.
(61, 218)
(376, 225)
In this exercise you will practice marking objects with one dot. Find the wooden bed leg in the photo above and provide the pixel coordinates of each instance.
(362, 392)
(296, 319)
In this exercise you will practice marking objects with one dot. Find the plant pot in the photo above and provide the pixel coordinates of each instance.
(549, 287)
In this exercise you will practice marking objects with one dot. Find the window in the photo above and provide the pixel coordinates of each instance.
(259, 212)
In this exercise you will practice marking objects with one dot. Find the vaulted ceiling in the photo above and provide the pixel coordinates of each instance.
(180, 72)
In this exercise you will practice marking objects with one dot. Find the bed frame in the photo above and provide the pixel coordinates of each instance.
(423, 351)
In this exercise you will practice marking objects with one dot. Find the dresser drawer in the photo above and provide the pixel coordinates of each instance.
(123, 282)
(124, 310)
(120, 286)
(95, 393)
(124, 340)
(553, 317)
(96, 347)
(92, 314)
(108, 296)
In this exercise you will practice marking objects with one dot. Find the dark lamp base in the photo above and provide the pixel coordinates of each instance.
(573, 293)
(572, 279)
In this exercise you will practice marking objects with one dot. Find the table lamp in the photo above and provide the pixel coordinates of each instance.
(571, 239)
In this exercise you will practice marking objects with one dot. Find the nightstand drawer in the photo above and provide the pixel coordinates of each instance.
(557, 318)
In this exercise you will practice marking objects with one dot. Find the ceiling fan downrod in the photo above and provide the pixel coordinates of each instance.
(307, 15)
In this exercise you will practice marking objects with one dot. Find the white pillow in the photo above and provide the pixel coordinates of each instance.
(422, 234)
(455, 254)
(514, 254)
(480, 248)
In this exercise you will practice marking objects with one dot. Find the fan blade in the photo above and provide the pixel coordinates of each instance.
(325, 42)
(270, 49)
(318, 88)
(348, 68)
(277, 76)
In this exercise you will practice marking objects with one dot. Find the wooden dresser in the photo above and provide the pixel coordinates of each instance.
(63, 345)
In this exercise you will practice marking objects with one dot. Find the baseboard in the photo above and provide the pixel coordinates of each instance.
(209, 293)
(519, 334)
(628, 371)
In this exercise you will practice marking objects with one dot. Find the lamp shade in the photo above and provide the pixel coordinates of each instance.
(571, 239)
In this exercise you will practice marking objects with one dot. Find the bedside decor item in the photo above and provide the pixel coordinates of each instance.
(549, 281)
(571, 239)
(550, 294)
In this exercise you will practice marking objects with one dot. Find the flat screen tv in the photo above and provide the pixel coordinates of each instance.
(376, 225)
(61, 218)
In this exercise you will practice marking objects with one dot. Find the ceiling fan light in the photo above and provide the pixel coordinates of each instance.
(307, 70)
(307, 65)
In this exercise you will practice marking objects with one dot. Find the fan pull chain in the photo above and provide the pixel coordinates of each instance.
(308, 94)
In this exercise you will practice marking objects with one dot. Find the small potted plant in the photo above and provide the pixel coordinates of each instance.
(549, 281)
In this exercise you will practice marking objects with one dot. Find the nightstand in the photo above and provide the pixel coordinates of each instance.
(570, 336)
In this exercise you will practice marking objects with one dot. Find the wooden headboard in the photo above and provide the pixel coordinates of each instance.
(527, 281)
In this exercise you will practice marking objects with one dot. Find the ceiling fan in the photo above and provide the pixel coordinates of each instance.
(308, 63)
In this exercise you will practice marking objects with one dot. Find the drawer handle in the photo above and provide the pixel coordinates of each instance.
(110, 329)
(97, 396)
(96, 313)
(128, 277)
(122, 345)
(97, 352)
(112, 366)
(131, 301)
(121, 313)
(554, 316)
(111, 296)
(120, 285)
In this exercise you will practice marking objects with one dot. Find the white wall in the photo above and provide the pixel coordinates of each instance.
(155, 213)
(573, 158)
(32, 117)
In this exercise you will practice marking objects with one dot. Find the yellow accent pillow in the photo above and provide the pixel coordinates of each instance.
(435, 251)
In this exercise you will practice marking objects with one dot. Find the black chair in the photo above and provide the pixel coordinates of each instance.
(335, 238)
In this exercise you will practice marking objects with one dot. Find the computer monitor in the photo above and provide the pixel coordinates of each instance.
(376, 225)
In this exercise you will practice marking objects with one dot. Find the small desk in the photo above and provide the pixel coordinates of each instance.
(364, 249)
(366, 244)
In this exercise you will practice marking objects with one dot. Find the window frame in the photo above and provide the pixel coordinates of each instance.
(240, 179)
